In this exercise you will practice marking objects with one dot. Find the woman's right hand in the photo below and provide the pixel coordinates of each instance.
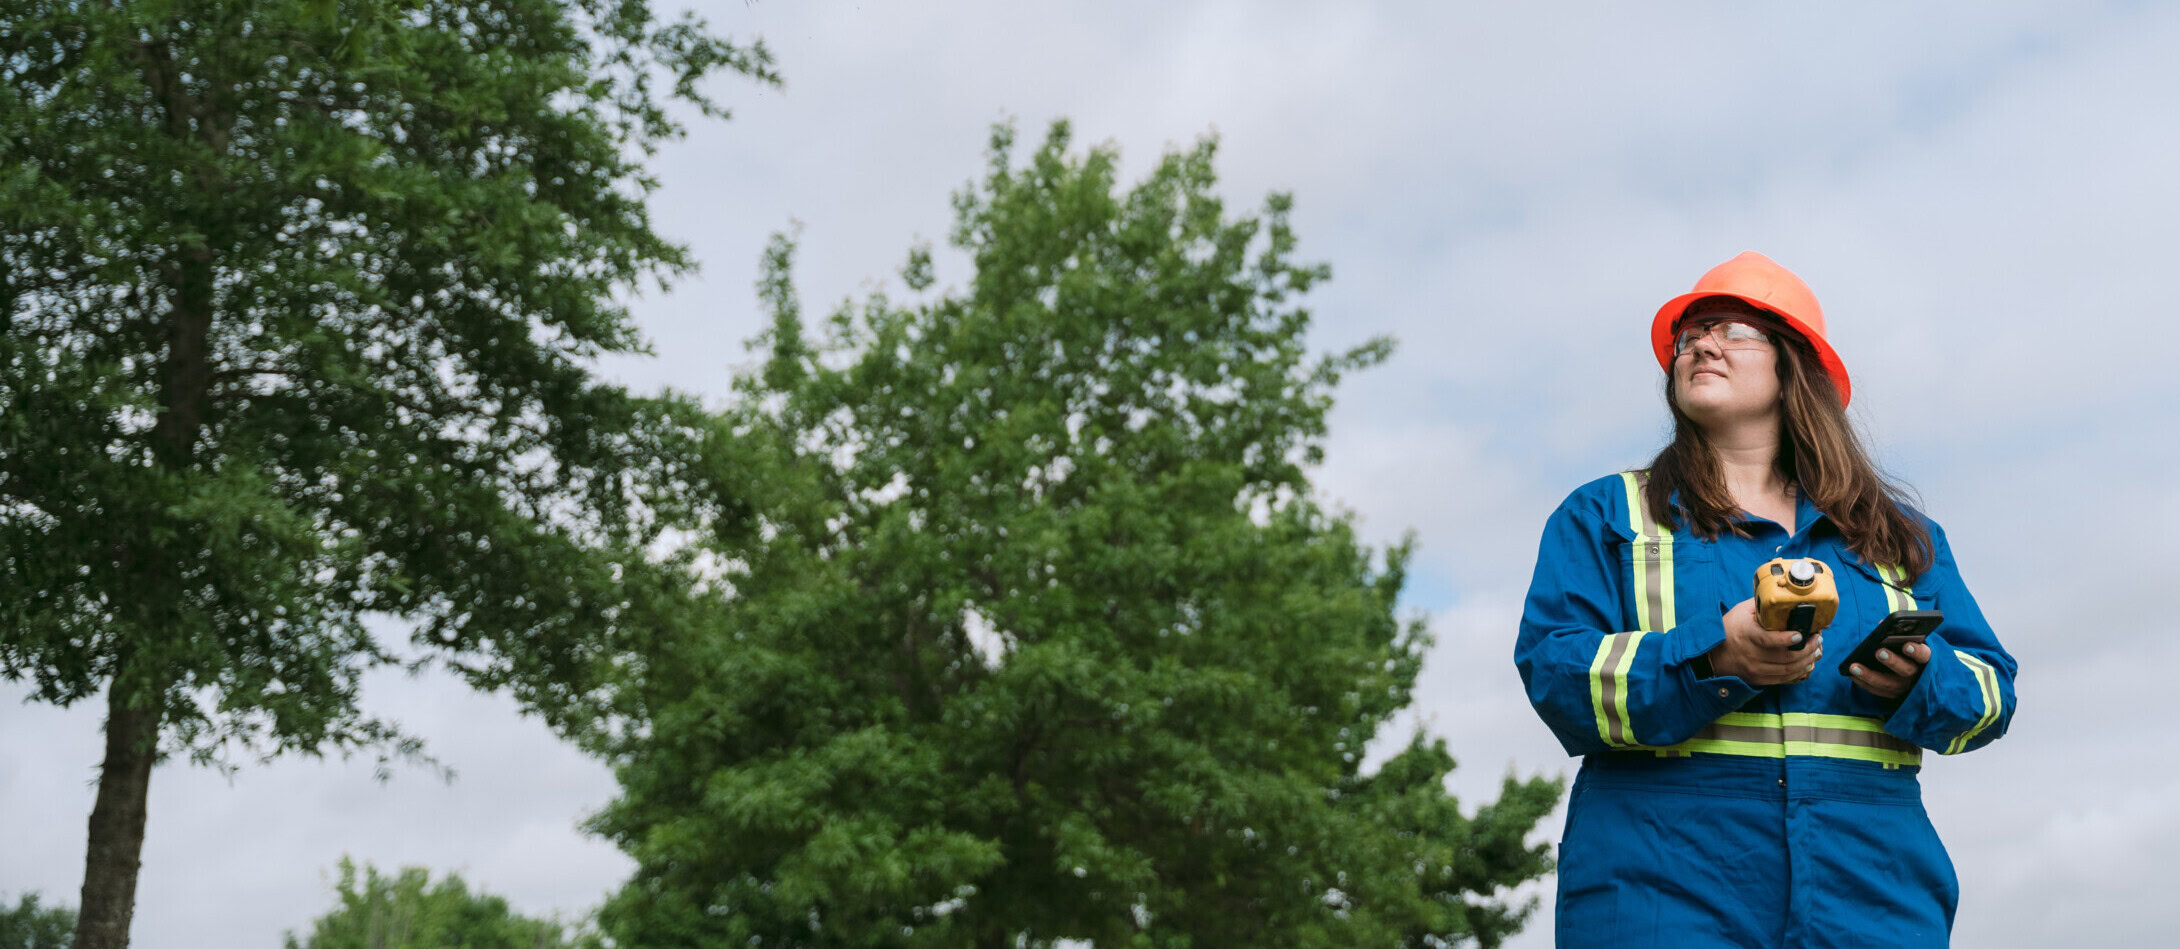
(1762, 656)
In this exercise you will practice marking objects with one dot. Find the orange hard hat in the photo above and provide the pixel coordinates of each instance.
(1760, 282)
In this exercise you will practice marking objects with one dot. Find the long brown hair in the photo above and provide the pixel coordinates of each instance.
(1819, 451)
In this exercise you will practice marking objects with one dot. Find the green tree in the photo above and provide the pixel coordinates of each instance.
(30, 926)
(301, 299)
(1041, 634)
(408, 911)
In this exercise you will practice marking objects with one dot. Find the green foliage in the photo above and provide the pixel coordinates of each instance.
(30, 926)
(300, 302)
(1039, 633)
(407, 911)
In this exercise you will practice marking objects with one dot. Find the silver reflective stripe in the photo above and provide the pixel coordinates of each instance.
(1850, 737)
(1658, 575)
(1615, 727)
(1740, 733)
(1651, 569)
(1653, 559)
(1987, 686)
(1608, 686)
(1799, 734)
(1774, 731)
(1899, 595)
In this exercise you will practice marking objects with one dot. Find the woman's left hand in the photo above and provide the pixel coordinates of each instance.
(1895, 673)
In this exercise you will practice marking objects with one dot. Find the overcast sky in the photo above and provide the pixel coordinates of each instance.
(1982, 195)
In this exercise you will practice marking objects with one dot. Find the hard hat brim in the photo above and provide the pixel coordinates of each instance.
(1661, 335)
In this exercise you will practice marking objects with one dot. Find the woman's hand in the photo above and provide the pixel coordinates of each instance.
(1899, 672)
(1762, 656)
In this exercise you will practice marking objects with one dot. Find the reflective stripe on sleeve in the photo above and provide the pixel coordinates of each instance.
(1987, 685)
(1608, 687)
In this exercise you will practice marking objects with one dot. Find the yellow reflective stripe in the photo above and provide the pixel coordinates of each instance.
(1820, 720)
(1886, 749)
(1720, 746)
(1815, 727)
(1651, 561)
(1627, 661)
(1651, 566)
(1651, 569)
(1634, 502)
(1597, 689)
(1886, 756)
(1987, 685)
(1665, 579)
(1641, 548)
(1898, 595)
(1608, 687)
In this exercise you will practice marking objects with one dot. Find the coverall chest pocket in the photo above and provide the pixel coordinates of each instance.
(1880, 588)
(1664, 578)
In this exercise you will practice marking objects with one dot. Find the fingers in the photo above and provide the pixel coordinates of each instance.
(1778, 646)
(1879, 682)
(1777, 666)
(1782, 640)
(1898, 664)
(1802, 673)
(1740, 622)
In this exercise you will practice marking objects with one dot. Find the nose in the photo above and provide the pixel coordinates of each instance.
(1706, 348)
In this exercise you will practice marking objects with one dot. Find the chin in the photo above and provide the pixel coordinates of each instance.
(1709, 407)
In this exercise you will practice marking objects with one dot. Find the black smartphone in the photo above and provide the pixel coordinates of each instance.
(1897, 630)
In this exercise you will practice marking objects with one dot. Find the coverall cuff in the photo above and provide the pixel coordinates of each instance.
(1921, 703)
(1694, 638)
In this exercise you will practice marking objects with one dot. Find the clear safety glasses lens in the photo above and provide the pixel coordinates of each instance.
(1730, 334)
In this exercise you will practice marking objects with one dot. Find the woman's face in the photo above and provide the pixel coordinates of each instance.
(1723, 376)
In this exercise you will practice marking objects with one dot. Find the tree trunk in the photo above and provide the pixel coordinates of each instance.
(117, 822)
(116, 847)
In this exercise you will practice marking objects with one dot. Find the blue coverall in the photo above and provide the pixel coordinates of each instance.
(1709, 812)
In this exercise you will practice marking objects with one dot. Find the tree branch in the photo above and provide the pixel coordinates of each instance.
(432, 411)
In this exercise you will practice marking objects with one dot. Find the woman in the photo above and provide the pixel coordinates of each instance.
(1736, 789)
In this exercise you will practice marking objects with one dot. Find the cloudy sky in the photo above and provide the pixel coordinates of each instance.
(1982, 194)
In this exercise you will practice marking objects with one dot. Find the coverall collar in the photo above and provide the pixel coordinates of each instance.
(1806, 513)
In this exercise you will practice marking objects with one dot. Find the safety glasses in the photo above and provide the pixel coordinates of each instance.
(1728, 332)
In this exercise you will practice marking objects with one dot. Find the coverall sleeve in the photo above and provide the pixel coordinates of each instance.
(1597, 685)
(1964, 698)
